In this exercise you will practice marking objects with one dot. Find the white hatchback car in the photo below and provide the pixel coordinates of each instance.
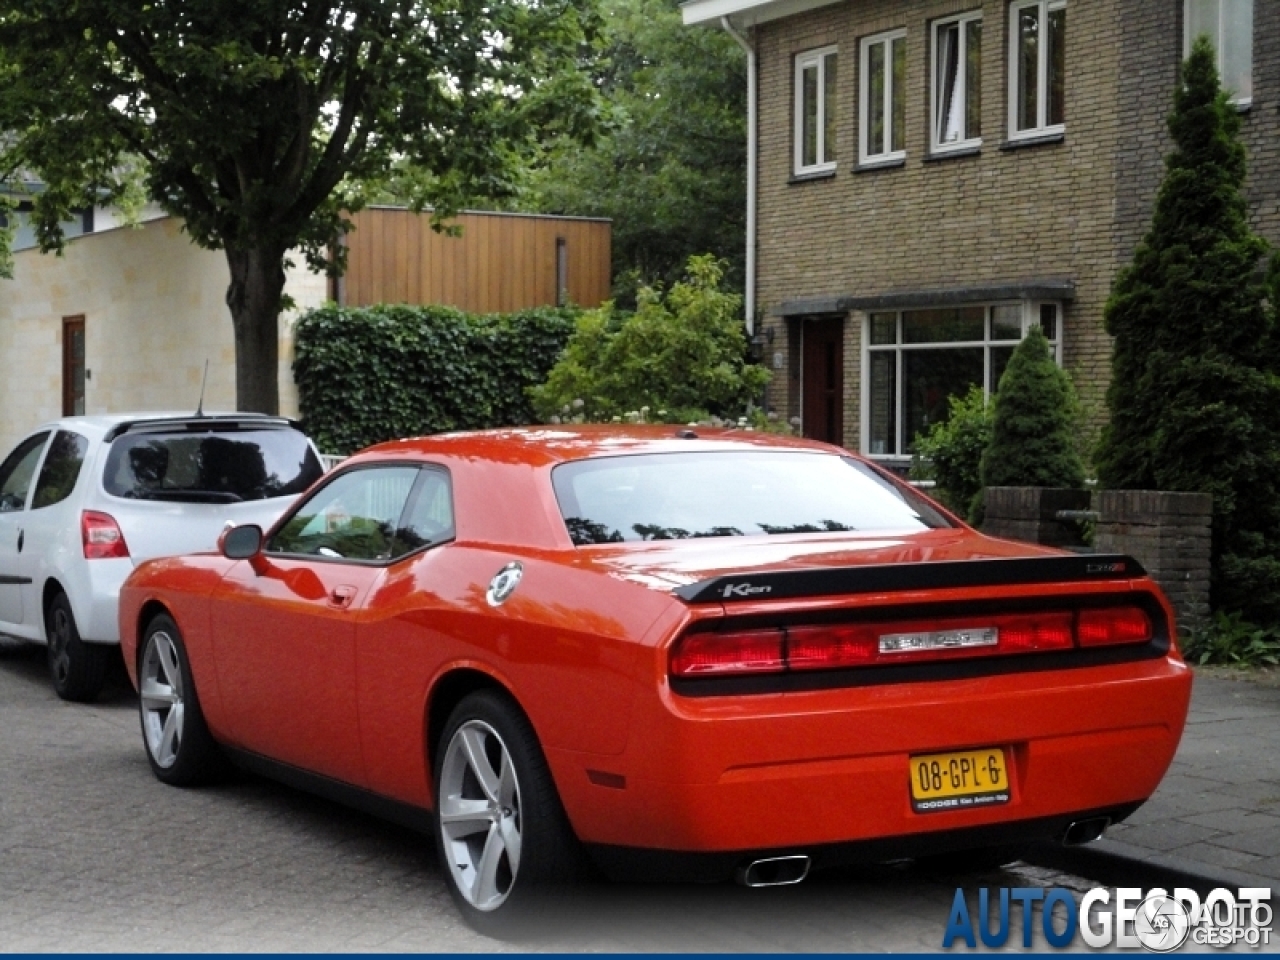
(85, 499)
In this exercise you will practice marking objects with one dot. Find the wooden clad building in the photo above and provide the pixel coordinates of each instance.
(500, 262)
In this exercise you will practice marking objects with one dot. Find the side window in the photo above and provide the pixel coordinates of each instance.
(61, 469)
(429, 518)
(17, 472)
(353, 517)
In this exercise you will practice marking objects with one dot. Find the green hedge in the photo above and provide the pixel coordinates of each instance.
(377, 373)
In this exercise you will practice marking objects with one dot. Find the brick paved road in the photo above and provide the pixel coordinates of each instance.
(95, 854)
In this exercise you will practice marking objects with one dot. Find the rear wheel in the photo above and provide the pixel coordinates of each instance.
(502, 834)
(180, 748)
(77, 669)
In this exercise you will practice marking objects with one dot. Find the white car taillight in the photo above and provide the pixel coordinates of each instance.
(102, 537)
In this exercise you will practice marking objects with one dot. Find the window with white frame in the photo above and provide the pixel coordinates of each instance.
(882, 107)
(1037, 67)
(1229, 27)
(956, 88)
(815, 133)
(914, 361)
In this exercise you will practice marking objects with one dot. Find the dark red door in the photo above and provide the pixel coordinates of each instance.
(823, 350)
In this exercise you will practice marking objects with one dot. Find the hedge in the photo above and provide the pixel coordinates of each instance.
(377, 373)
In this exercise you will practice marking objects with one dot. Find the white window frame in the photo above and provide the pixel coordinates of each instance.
(1187, 39)
(803, 61)
(1042, 128)
(866, 159)
(1030, 316)
(936, 143)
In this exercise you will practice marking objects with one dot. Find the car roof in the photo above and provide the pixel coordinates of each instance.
(541, 446)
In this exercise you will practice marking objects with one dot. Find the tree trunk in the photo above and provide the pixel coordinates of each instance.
(254, 298)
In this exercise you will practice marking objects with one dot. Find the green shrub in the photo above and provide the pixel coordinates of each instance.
(681, 356)
(1194, 398)
(950, 453)
(1230, 640)
(1033, 422)
(377, 373)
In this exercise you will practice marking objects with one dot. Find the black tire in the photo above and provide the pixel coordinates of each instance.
(549, 855)
(77, 669)
(179, 747)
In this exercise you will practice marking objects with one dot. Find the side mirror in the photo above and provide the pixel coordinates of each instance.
(241, 543)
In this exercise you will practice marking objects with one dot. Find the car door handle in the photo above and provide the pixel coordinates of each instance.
(22, 534)
(342, 596)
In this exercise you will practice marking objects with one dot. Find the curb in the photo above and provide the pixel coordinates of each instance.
(1116, 863)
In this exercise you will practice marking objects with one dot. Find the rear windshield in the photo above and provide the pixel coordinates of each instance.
(211, 466)
(675, 496)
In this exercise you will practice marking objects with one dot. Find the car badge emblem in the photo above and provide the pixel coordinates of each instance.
(504, 584)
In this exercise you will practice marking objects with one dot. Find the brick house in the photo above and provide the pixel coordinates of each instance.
(929, 178)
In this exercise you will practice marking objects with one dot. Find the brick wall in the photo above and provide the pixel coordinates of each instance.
(1074, 210)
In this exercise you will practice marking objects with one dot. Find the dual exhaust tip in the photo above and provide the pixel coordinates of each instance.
(785, 871)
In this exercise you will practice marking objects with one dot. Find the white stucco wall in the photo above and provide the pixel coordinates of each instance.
(154, 309)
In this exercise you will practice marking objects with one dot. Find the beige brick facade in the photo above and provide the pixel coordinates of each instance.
(155, 310)
(1069, 211)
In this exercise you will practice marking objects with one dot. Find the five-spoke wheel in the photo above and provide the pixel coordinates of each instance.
(179, 746)
(502, 833)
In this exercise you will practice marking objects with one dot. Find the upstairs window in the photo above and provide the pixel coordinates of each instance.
(1229, 27)
(883, 106)
(957, 83)
(1037, 68)
(815, 134)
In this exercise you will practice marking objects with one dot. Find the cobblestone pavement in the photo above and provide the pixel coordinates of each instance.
(1217, 812)
(96, 855)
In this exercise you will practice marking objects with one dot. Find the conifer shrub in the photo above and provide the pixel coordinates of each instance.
(1194, 399)
(1033, 422)
(950, 453)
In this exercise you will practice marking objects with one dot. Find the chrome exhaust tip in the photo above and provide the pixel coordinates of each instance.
(773, 872)
(1085, 831)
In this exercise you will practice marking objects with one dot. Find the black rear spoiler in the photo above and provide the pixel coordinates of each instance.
(895, 577)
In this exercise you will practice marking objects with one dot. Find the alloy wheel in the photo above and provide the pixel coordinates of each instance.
(480, 820)
(161, 695)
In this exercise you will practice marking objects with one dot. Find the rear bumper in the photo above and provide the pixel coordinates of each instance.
(93, 587)
(829, 768)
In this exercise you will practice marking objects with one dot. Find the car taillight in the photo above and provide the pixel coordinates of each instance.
(102, 537)
(1111, 626)
(716, 654)
(832, 647)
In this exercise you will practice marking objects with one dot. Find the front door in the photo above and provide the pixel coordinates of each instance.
(284, 624)
(822, 414)
(17, 475)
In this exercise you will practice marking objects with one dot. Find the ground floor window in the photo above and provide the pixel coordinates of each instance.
(915, 360)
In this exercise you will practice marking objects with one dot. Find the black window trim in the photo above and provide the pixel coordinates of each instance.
(44, 433)
(410, 499)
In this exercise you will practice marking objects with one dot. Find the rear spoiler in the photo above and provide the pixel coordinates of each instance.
(202, 424)
(892, 578)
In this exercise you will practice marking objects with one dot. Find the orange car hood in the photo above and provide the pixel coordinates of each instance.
(667, 564)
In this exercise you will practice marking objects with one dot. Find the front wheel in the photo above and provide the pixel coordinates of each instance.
(77, 669)
(180, 748)
(502, 833)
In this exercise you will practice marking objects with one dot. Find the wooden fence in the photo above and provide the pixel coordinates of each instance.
(501, 262)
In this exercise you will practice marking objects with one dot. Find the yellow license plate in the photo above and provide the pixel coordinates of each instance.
(958, 781)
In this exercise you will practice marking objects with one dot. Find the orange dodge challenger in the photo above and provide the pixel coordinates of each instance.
(667, 651)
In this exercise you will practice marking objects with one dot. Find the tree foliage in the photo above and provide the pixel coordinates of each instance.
(950, 453)
(1033, 422)
(681, 357)
(261, 123)
(383, 372)
(1194, 397)
(670, 166)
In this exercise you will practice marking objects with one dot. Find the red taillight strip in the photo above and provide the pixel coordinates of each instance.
(841, 646)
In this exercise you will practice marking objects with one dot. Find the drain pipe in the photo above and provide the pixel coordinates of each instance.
(750, 300)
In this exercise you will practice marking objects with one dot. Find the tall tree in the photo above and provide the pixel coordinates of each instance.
(670, 168)
(1194, 396)
(261, 123)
